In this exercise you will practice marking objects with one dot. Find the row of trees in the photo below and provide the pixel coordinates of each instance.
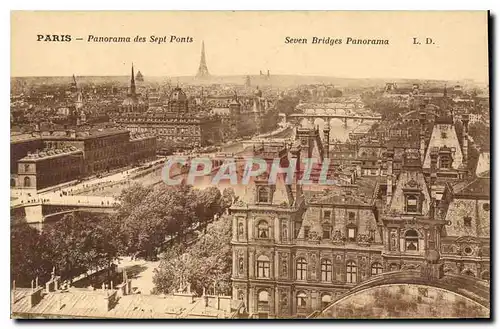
(73, 245)
(146, 219)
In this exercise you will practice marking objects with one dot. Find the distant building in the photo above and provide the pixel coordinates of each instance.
(203, 69)
(52, 158)
(175, 123)
(49, 167)
(139, 77)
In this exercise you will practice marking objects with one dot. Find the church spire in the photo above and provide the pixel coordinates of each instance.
(74, 85)
(132, 82)
(203, 69)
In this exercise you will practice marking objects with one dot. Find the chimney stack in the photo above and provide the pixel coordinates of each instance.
(109, 300)
(35, 295)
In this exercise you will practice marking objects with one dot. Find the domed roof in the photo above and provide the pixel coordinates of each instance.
(178, 95)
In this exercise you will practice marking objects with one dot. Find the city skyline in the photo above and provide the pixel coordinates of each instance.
(234, 45)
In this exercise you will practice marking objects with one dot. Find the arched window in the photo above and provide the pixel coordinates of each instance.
(411, 203)
(263, 297)
(301, 269)
(301, 299)
(326, 299)
(352, 271)
(326, 270)
(377, 268)
(263, 266)
(27, 182)
(263, 230)
(411, 240)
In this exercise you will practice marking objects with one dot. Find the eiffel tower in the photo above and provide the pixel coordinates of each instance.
(203, 69)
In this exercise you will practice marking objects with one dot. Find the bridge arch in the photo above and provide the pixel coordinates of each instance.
(406, 294)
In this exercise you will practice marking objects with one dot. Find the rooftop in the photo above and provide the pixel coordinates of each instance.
(477, 187)
(51, 153)
(360, 194)
(85, 303)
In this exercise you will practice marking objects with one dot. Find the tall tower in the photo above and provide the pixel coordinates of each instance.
(74, 85)
(203, 69)
(132, 92)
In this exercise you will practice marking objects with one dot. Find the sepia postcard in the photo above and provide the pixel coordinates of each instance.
(250, 165)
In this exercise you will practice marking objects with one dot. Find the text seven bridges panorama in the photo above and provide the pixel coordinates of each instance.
(287, 40)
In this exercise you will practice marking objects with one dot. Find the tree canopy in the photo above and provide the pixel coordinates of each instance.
(150, 217)
(204, 264)
(73, 245)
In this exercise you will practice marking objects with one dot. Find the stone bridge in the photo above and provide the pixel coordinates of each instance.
(37, 214)
(408, 294)
(326, 117)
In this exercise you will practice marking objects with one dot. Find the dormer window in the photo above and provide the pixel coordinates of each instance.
(327, 214)
(467, 221)
(445, 162)
(444, 135)
(264, 194)
(411, 203)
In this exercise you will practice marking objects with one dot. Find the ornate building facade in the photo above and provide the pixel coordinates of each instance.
(295, 250)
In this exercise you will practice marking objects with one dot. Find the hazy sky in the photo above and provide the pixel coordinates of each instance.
(246, 42)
